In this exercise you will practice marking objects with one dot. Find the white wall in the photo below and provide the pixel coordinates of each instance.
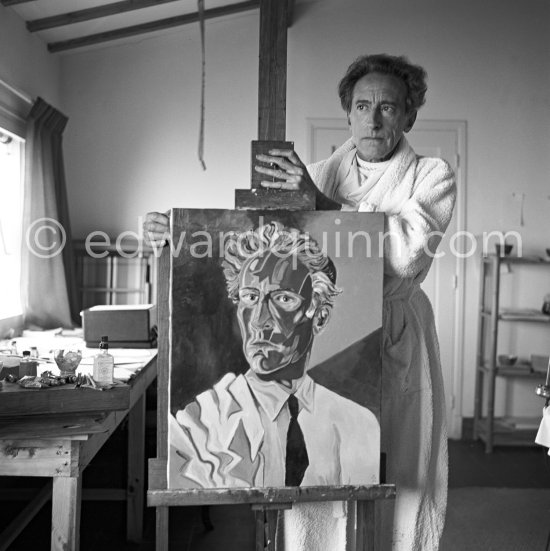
(25, 62)
(134, 123)
(134, 111)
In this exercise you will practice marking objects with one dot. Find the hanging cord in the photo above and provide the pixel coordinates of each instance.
(203, 79)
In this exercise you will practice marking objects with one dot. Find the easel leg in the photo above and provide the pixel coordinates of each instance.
(66, 497)
(266, 525)
(259, 515)
(206, 520)
(162, 538)
(365, 526)
(136, 455)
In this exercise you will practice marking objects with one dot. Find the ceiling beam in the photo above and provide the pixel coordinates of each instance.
(91, 13)
(151, 26)
(13, 2)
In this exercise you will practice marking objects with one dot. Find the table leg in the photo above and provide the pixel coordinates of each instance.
(66, 497)
(136, 471)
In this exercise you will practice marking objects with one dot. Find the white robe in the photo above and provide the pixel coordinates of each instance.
(417, 194)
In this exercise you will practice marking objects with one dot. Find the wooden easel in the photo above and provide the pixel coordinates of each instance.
(275, 18)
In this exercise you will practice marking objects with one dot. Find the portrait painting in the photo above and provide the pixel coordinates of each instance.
(274, 348)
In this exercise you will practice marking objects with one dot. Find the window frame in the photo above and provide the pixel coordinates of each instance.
(14, 108)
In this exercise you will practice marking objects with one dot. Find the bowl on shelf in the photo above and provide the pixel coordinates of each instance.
(507, 360)
(504, 250)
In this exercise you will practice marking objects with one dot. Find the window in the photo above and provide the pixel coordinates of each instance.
(11, 212)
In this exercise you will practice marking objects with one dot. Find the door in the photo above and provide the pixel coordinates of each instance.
(444, 284)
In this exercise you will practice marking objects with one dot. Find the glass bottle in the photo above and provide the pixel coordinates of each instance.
(27, 366)
(104, 364)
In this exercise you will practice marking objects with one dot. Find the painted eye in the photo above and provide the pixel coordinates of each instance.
(248, 297)
(287, 300)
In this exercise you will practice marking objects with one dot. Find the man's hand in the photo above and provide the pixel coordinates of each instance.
(156, 229)
(292, 175)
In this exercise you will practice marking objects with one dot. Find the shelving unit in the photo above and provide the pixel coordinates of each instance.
(115, 274)
(505, 430)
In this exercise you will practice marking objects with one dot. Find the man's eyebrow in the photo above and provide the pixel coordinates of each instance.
(285, 290)
(384, 101)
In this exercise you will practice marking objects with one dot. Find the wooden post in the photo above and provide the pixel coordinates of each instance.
(160, 479)
(272, 70)
(274, 20)
(66, 513)
(364, 537)
(267, 516)
(136, 473)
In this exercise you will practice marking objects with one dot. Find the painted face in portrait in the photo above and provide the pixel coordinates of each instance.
(275, 312)
(378, 116)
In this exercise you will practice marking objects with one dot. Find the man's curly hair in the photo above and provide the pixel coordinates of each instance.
(413, 76)
(284, 242)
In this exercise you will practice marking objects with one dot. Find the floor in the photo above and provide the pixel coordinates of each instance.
(103, 523)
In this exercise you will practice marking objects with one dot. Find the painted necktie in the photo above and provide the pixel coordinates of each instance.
(297, 460)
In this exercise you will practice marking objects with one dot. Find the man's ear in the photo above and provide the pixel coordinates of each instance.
(320, 319)
(410, 122)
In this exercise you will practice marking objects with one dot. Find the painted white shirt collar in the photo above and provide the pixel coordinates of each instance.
(272, 396)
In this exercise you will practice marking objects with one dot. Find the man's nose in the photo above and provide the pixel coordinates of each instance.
(374, 118)
(262, 318)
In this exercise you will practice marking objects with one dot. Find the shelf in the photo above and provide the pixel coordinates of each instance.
(528, 259)
(519, 315)
(498, 431)
(520, 371)
(523, 315)
(507, 433)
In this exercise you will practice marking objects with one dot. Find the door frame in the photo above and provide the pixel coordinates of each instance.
(317, 125)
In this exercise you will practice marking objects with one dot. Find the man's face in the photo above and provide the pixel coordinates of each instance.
(274, 295)
(378, 116)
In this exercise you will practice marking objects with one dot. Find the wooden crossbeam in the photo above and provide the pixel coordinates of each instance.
(151, 26)
(91, 13)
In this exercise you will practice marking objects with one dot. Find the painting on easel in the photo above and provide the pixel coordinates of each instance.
(275, 340)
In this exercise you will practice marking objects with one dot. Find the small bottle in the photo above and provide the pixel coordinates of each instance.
(27, 366)
(34, 352)
(13, 347)
(104, 364)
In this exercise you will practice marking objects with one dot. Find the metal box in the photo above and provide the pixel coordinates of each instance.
(127, 326)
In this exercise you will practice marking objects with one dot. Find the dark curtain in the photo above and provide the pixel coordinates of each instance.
(49, 290)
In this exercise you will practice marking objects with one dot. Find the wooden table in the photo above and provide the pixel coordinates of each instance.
(60, 446)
